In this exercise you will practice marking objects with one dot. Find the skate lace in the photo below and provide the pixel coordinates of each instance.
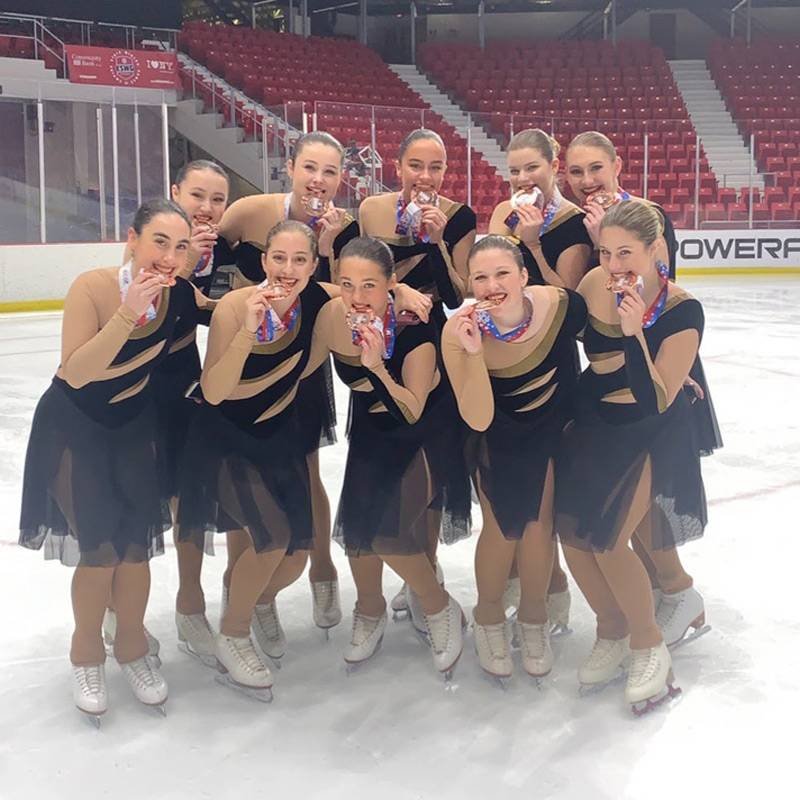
(89, 679)
(534, 639)
(268, 621)
(142, 673)
(439, 630)
(643, 666)
(323, 595)
(363, 628)
(495, 636)
(246, 656)
(602, 651)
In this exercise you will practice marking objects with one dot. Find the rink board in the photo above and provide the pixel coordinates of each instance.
(36, 277)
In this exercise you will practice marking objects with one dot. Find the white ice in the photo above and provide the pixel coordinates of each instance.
(391, 730)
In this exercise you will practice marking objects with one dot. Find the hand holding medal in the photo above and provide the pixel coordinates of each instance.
(371, 342)
(204, 234)
(631, 310)
(331, 224)
(467, 330)
(141, 293)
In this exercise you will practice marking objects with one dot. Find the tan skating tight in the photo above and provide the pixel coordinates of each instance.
(128, 586)
(534, 554)
(663, 567)
(615, 582)
(416, 570)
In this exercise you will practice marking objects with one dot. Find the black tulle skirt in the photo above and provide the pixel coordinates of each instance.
(316, 409)
(704, 418)
(90, 493)
(174, 412)
(400, 480)
(510, 460)
(230, 479)
(600, 467)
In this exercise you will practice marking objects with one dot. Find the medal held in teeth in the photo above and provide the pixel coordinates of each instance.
(272, 324)
(409, 219)
(524, 197)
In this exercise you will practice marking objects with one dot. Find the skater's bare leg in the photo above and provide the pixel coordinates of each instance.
(667, 573)
(493, 558)
(190, 598)
(535, 559)
(322, 567)
(558, 578)
(367, 573)
(251, 574)
(130, 591)
(288, 571)
(611, 622)
(627, 577)
(236, 542)
(433, 521)
(418, 572)
(91, 590)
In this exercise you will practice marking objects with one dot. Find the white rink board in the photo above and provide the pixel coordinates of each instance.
(739, 249)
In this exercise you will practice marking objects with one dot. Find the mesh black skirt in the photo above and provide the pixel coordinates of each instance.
(704, 418)
(230, 479)
(90, 493)
(600, 468)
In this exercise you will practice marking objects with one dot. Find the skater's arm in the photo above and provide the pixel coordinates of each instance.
(229, 345)
(87, 350)
(405, 402)
(469, 378)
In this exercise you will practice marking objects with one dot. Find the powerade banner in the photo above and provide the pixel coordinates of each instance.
(739, 249)
(110, 66)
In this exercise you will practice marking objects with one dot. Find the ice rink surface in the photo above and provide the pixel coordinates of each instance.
(391, 730)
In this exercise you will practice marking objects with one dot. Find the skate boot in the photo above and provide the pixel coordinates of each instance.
(679, 612)
(558, 605)
(511, 596)
(196, 638)
(445, 634)
(327, 606)
(146, 681)
(268, 632)
(399, 604)
(365, 639)
(493, 646)
(89, 691)
(110, 632)
(606, 663)
(242, 668)
(417, 615)
(650, 679)
(534, 643)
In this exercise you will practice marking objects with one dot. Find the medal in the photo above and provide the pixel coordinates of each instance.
(362, 315)
(272, 324)
(409, 217)
(548, 212)
(489, 328)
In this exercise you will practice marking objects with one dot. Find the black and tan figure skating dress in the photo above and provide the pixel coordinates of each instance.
(439, 270)
(180, 369)
(565, 230)
(245, 460)
(245, 226)
(91, 491)
(517, 397)
(405, 451)
(633, 424)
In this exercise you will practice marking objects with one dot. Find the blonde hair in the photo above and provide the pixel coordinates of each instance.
(495, 241)
(637, 217)
(594, 139)
(536, 139)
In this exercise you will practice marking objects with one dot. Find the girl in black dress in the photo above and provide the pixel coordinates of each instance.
(201, 190)
(511, 360)
(430, 237)
(593, 169)
(549, 231)
(91, 492)
(629, 464)
(404, 457)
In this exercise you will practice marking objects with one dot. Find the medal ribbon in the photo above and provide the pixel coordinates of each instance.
(488, 327)
(409, 222)
(387, 327)
(203, 267)
(125, 281)
(657, 306)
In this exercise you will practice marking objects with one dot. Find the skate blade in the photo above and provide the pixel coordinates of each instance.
(263, 695)
(205, 660)
(400, 614)
(587, 689)
(559, 629)
(669, 693)
(695, 634)
(92, 717)
(351, 667)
